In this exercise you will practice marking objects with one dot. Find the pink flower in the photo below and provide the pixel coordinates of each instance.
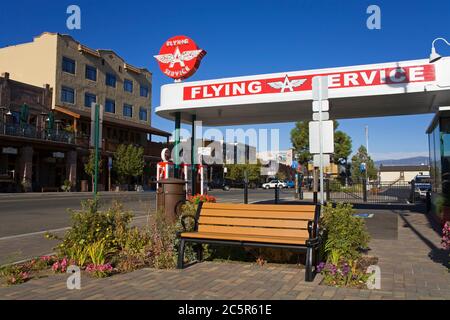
(55, 266)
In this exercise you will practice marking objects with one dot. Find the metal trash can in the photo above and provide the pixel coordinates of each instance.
(170, 196)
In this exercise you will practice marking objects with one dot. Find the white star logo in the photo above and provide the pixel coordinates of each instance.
(287, 84)
(178, 57)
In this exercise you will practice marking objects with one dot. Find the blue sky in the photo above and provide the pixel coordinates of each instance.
(252, 37)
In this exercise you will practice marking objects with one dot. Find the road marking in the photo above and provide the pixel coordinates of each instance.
(32, 234)
(48, 231)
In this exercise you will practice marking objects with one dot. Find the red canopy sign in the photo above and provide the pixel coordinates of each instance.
(347, 79)
(179, 57)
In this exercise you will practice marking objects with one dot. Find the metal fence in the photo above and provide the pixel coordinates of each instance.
(29, 131)
(371, 192)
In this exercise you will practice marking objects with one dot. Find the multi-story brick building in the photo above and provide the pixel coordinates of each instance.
(80, 76)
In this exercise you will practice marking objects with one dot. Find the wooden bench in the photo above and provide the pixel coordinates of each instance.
(292, 227)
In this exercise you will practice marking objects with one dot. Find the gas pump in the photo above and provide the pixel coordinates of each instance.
(164, 169)
(201, 180)
(186, 174)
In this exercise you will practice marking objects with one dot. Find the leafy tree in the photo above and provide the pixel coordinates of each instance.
(360, 157)
(236, 172)
(89, 166)
(300, 141)
(342, 146)
(128, 162)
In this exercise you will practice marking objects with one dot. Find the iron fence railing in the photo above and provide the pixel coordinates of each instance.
(371, 192)
(29, 131)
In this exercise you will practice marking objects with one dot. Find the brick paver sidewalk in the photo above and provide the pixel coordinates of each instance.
(412, 266)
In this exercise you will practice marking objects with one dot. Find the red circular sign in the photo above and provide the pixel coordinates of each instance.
(179, 57)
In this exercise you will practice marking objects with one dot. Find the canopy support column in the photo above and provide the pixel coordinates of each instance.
(177, 144)
(193, 156)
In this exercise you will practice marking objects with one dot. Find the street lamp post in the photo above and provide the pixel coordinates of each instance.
(434, 56)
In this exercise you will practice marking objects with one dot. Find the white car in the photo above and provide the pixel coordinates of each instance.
(274, 183)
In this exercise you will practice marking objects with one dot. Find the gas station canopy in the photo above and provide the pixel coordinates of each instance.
(385, 89)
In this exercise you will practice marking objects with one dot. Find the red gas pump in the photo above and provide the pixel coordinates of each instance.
(201, 181)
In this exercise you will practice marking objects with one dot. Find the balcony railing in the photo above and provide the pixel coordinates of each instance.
(29, 131)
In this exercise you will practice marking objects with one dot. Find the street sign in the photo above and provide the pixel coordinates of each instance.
(294, 164)
(328, 137)
(320, 84)
(326, 160)
(110, 162)
(204, 151)
(325, 116)
(317, 104)
(101, 111)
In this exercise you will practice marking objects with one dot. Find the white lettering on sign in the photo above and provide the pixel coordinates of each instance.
(291, 84)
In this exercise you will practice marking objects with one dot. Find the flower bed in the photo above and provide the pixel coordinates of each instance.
(345, 238)
(101, 244)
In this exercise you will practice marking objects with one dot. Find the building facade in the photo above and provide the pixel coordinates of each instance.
(401, 174)
(80, 77)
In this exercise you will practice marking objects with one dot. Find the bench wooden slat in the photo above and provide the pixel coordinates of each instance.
(273, 223)
(256, 231)
(260, 207)
(249, 238)
(257, 214)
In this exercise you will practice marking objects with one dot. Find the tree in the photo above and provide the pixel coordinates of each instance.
(360, 157)
(300, 141)
(236, 172)
(89, 166)
(342, 146)
(128, 162)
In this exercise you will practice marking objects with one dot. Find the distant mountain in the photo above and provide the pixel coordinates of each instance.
(415, 161)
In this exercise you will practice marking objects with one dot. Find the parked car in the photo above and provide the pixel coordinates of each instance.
(422, 185)
(274, 183)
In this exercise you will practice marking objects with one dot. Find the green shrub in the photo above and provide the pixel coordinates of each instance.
(344, 233)
(162, 251)
(90, 225)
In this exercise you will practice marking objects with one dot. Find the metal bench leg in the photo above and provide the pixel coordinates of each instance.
(199, 252)
(180, 263)
(308, 265)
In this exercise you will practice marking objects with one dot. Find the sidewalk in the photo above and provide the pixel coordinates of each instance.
(413, 266)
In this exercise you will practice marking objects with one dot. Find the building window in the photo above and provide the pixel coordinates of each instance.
(142, 114)
(144, 91)
(91, 73)
(128, 85)
(89, 99)
(127, 110)
(68, 65)
(110, 106)
(111, 80)
(68, 95)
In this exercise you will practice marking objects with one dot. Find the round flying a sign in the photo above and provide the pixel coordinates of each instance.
(179, 57)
